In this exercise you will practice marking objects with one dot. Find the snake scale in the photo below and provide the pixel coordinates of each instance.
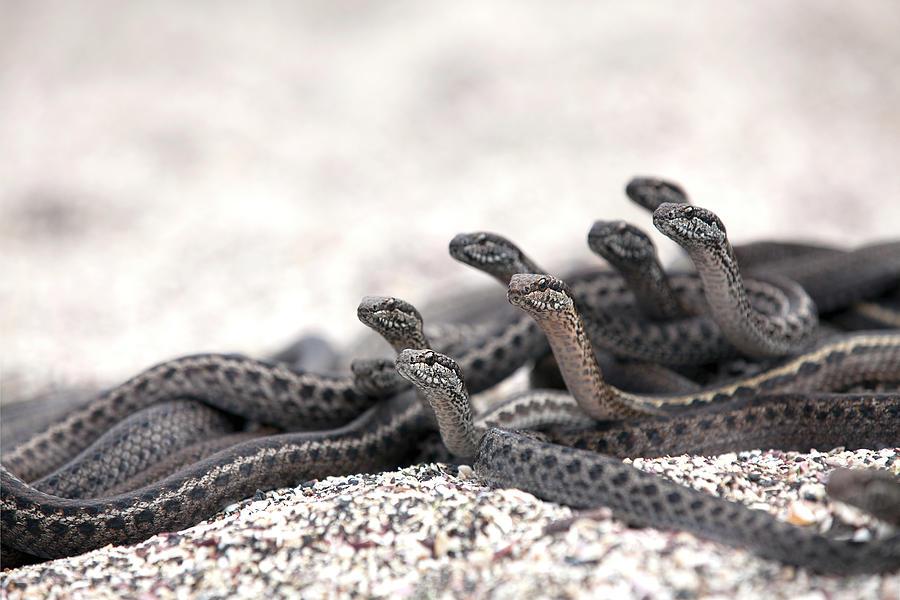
(54, 505)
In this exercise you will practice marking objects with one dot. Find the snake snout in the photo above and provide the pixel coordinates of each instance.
(459, 243)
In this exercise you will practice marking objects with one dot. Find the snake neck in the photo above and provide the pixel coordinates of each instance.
(453, 414)
(406, 338)
(632, 254)
(752, 332)
(575, 357)
(652, 292)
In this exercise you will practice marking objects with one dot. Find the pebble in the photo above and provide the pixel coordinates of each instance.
(434, 531)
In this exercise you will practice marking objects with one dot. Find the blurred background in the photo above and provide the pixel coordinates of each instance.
(205, 176)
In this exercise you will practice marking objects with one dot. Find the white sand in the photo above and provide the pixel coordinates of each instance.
(178, 177)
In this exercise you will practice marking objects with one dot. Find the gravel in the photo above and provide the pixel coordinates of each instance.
(436, 531)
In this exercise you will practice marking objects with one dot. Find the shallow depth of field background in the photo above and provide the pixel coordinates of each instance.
(184, 177)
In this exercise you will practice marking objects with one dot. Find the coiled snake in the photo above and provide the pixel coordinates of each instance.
(368, 433)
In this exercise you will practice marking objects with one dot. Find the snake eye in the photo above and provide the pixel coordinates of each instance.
(688, 211)
(621, 227)
(428, 357)
(481, 238)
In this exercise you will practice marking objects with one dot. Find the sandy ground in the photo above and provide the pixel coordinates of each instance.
(182, 177)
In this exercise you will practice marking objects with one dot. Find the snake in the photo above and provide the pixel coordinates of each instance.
(24, 418)
(834, 364)
(585, 479)
(603, 296)
(188, 368)
(631, 252)
(501, 258)
(702, 234)
(832, 277)
(50, 527)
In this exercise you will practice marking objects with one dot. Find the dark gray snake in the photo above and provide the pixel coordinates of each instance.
(585, 479)
(383, 433)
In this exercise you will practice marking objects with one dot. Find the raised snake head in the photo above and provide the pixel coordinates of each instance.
(540, 295)
(618, 241)
(395, 320)
(430, 370)
(690, 226)
(491, 253)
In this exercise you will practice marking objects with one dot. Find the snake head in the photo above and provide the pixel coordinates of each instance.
(650, 192)
(491, 253)
(539, 294)
(690, 226)
(428, 369)
(618, 241)
(396, 320)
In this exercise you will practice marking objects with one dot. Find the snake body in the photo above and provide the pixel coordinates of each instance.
(51, 527)
(265, 392)
(136, 444)
(875, 491)
(796, 421)
(587, 480)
